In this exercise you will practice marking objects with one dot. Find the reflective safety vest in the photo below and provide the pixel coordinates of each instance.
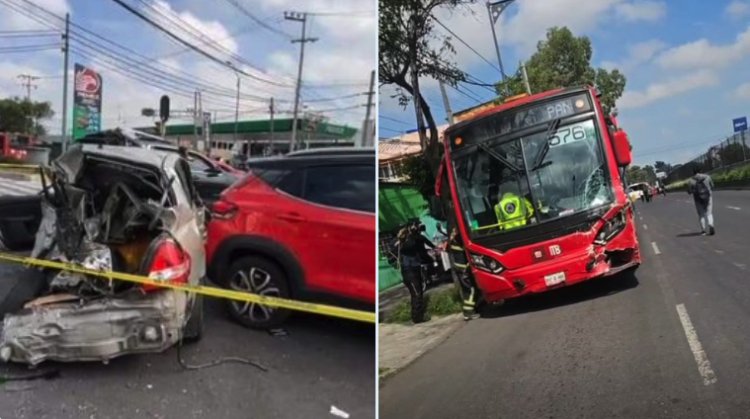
(509, 212)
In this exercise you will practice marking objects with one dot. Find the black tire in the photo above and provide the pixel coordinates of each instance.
(193, 331)
(273, 282)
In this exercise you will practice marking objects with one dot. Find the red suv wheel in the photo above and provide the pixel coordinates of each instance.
(257, 275)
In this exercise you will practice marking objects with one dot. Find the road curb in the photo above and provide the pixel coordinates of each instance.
(425, 336)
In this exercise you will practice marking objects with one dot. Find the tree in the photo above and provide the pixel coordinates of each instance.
(20, 115)
(637, 174)
(564, 60)
(661, 166)
(408, 43)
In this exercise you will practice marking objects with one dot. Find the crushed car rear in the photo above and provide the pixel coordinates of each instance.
(112, 209)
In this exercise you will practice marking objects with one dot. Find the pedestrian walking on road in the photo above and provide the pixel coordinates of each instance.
(411, 246)
(701, 186)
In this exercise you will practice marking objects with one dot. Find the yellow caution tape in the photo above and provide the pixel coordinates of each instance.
(326, 310)
(19, 166)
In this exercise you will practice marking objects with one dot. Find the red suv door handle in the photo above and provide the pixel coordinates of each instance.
(292, 216)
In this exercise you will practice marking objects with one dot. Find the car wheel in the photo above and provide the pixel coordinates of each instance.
(193, 331)
(258, 275)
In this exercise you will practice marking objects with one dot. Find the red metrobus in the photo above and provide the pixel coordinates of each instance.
(535, 189)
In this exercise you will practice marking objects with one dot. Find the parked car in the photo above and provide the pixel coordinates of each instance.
(299, 226)
(642, 191)
(109, 208)
(634, 193)
(209, 176)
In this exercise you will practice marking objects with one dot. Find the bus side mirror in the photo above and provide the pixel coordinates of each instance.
(623, 155)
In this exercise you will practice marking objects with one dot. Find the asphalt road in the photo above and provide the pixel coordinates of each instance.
(674, 342)
(320, 363)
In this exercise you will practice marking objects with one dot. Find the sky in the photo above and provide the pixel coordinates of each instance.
(687, 65)
(254, 37)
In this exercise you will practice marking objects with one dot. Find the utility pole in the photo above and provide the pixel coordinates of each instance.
(270, 140)
(298, 17)
(195, 118)
(525, 77)
(66, 36)
(366, 127)
(446, 102)
(27, 81)
(494, 10)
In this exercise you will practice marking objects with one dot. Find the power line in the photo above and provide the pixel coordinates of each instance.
(257, 20)
(86, 40)
(29, 31)
(359, 13)
(465, 43)
(330, 99)
(388, 118)
(29, 48)
(99, 48)
(191, 46)
(167, 15)
(28, 35)
(475, 99)
(391, 130)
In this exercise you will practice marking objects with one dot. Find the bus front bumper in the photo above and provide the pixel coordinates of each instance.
(597, 262)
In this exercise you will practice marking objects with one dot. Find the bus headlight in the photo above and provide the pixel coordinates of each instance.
(486, 263)
(611, 228)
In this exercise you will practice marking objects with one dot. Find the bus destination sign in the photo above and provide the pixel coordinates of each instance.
(522, 118)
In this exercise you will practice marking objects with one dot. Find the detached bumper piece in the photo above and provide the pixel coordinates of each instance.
(93, 331)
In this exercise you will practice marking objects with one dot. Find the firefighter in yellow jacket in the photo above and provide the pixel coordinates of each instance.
(513, 211)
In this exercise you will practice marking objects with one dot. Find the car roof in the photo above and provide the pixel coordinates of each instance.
(333, 151)
(141, 155)
(359, 156)
(123, 137)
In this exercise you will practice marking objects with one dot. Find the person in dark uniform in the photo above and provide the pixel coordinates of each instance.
(411, 249)
(464, 278)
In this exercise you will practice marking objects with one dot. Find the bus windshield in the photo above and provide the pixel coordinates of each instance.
(512, 184)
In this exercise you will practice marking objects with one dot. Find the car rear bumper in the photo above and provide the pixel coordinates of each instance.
(94, 331)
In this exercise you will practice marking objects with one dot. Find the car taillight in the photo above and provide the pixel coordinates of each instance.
(169, 264)
(223, 210)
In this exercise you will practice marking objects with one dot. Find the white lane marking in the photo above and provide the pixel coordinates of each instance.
(740, 265)
(656, 249)
(721, 252)
(733, 208)
(645, 227)
(704, 366)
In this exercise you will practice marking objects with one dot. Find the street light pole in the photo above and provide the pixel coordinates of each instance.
(494, 10)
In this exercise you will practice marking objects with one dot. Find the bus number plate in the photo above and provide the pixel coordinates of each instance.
(554, 279)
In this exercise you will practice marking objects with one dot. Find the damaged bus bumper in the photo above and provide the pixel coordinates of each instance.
(94, 331)
(590, 262)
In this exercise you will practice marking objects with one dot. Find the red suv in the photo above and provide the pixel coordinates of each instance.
(300, 226)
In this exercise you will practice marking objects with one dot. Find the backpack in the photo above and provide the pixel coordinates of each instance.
(701, 189)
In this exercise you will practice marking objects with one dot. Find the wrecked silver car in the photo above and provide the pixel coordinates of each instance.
(121, 209)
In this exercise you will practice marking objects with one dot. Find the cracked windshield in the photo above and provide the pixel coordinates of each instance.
(507, 185)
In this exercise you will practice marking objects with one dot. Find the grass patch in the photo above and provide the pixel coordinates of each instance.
(439, 303)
